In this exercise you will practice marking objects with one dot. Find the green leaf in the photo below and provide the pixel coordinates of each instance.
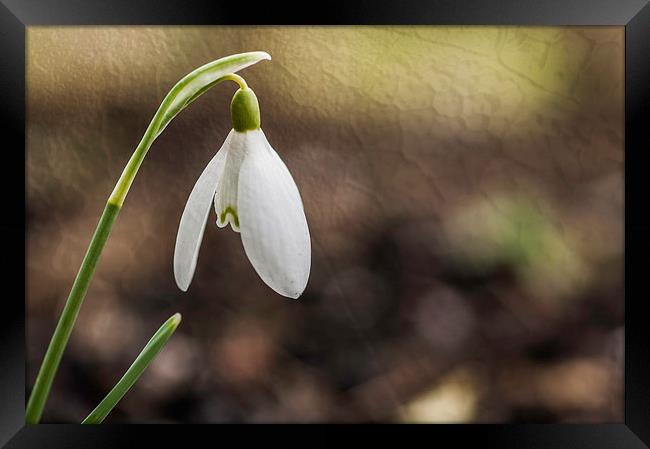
(150, 351)
(199, 81)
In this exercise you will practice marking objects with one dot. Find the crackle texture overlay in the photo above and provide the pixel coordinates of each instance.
(464, 192)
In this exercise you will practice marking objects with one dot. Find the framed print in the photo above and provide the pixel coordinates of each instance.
(361, 214)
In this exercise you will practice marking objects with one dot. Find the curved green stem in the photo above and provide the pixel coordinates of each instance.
(179, 97)
(157, 125)
(134, 372)
(236, 78)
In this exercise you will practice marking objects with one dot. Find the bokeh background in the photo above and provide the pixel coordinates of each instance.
(464, 192)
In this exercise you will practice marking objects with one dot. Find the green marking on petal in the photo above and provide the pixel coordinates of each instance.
(229, 210)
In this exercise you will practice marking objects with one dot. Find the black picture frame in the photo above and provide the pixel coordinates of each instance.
(634, 15)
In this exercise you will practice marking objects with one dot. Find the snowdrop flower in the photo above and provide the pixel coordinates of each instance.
(252, 190)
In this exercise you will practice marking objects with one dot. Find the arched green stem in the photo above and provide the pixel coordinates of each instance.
(179, 97)
(236, 78)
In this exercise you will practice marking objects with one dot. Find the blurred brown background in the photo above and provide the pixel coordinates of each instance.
(463, 188)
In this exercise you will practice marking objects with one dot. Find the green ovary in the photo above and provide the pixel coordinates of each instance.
(245, 111)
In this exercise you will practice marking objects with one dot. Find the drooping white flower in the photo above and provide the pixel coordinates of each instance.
(252, 189)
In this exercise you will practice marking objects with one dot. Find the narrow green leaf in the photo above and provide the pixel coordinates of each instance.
(199, 81)
(150, 351)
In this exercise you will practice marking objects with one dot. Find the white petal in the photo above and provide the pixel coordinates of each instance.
(272, 220)
(194, 218)
(225, 198)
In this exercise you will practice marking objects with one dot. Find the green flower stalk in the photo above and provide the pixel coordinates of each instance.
(150, 351)
(179, 97)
